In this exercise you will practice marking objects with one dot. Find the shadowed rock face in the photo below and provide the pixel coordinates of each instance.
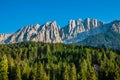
(74, 31)
(3, 37)
(109, 38)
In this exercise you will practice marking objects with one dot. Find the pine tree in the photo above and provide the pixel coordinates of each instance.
(18, 73)
(73, 72)
(4, 68)
(41, 74)
(83, 71)
(33, 72)
(65, 72)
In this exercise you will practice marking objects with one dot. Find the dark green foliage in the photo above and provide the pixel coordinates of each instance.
(44, 61)
(109, 39)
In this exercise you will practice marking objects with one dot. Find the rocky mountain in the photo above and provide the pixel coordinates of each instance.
(86, 32)
(79, 30)
(48, 32)
(109, 39)
(3, 37)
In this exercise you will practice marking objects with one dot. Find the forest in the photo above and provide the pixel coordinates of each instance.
(57, 61)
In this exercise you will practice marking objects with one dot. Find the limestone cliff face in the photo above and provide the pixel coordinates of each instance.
(116, 26)
(92, 23)
(74, 31)
(109, 37)
(3, 37)
(48, 32)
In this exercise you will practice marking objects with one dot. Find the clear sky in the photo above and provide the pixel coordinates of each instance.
(15, 14)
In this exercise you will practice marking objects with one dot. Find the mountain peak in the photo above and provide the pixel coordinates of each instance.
(54, 23)
(79, 19)
(75, 31)
(116, 26)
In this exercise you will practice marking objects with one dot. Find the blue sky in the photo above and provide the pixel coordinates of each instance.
(15, 14)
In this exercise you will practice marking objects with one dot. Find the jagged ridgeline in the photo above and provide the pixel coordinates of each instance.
(74, 31)
(88, 32)
(57, 61)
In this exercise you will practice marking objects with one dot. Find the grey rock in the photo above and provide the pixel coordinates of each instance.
(50, 32)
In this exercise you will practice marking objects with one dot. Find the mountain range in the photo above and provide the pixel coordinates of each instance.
(91, 32)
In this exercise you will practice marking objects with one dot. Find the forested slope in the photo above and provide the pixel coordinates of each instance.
(44, 61)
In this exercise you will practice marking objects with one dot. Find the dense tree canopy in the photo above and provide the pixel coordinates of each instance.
(45, 61)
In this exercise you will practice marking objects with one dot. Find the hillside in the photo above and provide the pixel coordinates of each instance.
(45, 61)
(109, 39)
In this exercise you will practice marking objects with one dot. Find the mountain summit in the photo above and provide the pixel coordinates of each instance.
(75, 31)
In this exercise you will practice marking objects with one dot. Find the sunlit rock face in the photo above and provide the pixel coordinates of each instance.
(77, 30)
(3, 37)
(50, 32)
(116, 26)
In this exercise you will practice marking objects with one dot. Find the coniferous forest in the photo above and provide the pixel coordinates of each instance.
(44, 61)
